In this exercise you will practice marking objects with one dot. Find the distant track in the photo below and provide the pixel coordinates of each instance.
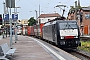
(83, 55)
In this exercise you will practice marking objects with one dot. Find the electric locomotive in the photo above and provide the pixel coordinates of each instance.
(64, 33)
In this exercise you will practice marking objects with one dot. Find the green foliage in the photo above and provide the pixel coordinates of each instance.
(85, 45)
(31, 21)
(72, 8)
(78, 7)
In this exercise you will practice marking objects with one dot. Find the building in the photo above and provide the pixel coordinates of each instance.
(46, 17)
(85, 22)
(24, 22)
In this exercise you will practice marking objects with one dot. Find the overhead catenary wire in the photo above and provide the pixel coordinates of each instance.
(44, 8)
(67, 1)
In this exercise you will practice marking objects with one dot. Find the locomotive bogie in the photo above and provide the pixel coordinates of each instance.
(70, 43)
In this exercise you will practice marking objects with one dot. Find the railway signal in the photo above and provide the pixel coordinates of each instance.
(0, 19)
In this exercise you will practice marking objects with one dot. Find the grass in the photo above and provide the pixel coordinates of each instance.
(85, 46)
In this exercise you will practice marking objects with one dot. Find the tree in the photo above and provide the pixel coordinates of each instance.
(72, 8)
(31, 21)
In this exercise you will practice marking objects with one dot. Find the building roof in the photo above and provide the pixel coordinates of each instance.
(86, 8)
(82, 8)
(49, 15)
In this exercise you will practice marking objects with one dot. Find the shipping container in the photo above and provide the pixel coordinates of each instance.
(35, 30)
(38, 30)
(30, 30)
(41, 25)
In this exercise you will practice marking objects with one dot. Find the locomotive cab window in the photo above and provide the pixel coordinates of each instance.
(68, 25)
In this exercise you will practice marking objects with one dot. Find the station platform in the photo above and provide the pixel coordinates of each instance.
(85, 37)
(29, 49)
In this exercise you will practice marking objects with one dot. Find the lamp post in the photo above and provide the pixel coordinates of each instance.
(10, 26)
(15, 24)
(3, 19)
(76, 10)
(10, 4)
(36, 14)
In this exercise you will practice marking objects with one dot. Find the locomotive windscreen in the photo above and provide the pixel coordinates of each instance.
(68, 25)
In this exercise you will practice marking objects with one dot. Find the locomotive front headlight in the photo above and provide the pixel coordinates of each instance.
(62, 37)
(62, 42)
(76, 37)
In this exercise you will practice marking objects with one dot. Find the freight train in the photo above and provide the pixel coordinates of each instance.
(63, 33)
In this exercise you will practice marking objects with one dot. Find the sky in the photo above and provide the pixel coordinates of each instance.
(28, 7)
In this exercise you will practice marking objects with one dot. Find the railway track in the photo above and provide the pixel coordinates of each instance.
(80, 54)
(77, 53)
(83, 54)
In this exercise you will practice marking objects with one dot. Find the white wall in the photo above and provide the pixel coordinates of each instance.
(43, 20)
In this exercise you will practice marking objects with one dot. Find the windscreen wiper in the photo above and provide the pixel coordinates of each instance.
(65, 26)
(70, 26)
